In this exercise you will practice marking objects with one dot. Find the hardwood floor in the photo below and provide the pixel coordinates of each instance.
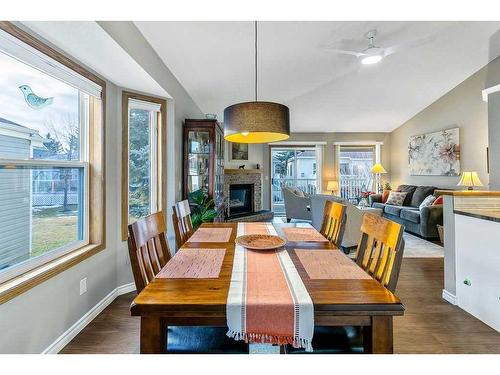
(430, 325)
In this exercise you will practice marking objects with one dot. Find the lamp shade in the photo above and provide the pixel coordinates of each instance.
(378, 168)
(332, 185)
(469, 179)
(256, 122)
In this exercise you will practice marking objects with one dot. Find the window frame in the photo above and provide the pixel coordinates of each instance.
(158, 153)
(50, 264)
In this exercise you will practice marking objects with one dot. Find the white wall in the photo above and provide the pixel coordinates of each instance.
(463, 107)
(32, 321)
(255, 156)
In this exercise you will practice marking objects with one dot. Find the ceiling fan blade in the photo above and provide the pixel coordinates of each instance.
(346, 52)
(411, 44)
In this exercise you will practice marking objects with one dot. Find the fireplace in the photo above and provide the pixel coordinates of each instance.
(241, 199)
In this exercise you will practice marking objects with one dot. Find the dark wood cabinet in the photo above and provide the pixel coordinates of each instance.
(203, 145)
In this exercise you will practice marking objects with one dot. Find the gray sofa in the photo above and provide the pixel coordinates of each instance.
(420, 222)
(352, 230)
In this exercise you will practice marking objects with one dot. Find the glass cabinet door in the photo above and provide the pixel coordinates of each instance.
(219, 169)
(198, 160)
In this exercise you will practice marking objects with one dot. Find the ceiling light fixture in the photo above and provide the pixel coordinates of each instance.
(256, 122)
(368, 60)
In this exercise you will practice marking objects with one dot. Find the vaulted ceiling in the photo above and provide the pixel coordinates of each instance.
(326, 91)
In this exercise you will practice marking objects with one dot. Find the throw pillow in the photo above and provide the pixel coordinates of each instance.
(427, 201)
(385, 195)
(396, 198)
(438, 201)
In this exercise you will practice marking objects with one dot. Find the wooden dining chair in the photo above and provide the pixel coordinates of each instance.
(334, 219)
(148, 248)
(149, 252)
(379, 253)
(181, 217)
(380, 249)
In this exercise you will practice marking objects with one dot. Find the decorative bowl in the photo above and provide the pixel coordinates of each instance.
(260, 241)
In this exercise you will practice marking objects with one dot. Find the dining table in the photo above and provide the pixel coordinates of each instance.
(342, 301)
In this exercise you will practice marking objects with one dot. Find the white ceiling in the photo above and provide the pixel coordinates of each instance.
(326, 92)
(90, 44)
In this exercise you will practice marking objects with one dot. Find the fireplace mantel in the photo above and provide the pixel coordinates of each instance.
(242, 171)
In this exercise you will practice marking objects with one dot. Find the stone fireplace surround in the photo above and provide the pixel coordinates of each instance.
(245, 176)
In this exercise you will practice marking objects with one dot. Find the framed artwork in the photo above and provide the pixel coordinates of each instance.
(435, 154)
(238, 151)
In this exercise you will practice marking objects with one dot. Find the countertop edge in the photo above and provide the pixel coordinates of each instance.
(478, 215)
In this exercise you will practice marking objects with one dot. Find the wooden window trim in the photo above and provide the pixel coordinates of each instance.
(161, 153)
(97, 193)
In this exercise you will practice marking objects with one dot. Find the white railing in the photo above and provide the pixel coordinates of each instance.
(351, 187)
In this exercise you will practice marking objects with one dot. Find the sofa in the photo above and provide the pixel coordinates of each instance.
(354, 218)
(296, 204)
(420, 222)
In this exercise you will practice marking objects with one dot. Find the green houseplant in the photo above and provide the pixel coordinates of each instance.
(202, 208)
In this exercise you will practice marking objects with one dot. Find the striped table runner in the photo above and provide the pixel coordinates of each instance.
(267, 300)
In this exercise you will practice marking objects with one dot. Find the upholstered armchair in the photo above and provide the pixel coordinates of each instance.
(296, 204)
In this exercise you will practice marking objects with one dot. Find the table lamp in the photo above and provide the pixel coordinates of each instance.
(469, 179)
(378, 170)
(333, 186)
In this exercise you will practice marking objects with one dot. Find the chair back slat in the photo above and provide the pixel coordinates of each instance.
(380, 249)
(181, 217)
(148, 248)
(334, 218)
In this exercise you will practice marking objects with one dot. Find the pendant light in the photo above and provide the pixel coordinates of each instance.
(256, 122)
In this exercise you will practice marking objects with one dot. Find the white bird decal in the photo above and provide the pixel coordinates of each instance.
(33, 100)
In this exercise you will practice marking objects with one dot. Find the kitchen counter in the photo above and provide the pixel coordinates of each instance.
(491, 215)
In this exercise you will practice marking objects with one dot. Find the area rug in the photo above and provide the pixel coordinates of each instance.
(416, 247)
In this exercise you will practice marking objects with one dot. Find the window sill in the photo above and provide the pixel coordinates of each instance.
(22, 283)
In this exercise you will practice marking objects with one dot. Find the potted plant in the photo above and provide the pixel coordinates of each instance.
(202, 208)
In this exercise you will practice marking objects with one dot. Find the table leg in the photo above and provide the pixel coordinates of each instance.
(378, 338)
(153, 335)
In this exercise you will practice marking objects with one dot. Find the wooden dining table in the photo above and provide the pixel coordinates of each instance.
(202, 302)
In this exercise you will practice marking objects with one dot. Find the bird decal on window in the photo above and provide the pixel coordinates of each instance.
(33, 100)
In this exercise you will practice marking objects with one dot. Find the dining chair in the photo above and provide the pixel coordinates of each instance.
(379, 253)
(149, 252)
(181, 217)
(380, 249)
(334, 219)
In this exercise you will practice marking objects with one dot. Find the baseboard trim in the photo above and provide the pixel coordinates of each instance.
(451, 298)
(76, 328)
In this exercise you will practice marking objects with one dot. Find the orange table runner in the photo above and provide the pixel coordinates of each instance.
(303, 234)
(267, 300)
(211, 235)
(329, 264)
(194, 264)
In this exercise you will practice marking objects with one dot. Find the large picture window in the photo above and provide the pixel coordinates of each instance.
(50, 139)
(142, 156)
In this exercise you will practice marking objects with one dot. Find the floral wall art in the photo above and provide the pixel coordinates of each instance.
(435, 154)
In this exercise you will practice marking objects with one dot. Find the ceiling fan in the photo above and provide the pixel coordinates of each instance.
(373, 53)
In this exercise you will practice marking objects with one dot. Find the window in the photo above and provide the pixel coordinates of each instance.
(292, 166)
(142, 156)
(51, 204)
(355, 171)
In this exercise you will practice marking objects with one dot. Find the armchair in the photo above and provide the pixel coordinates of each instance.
(296, 203)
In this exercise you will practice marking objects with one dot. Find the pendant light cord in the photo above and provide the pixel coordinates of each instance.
(256, 82)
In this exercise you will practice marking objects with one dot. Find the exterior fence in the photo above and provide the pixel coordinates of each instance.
(53, 199)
